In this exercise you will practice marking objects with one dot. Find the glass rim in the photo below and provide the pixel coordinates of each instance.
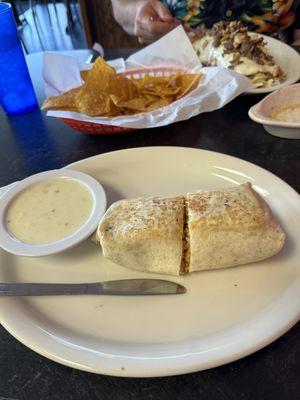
(4, 9)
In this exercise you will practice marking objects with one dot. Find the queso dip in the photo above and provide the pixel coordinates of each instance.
(49, 210)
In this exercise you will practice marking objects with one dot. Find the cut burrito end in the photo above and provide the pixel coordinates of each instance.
(145, 234)
(230, 227)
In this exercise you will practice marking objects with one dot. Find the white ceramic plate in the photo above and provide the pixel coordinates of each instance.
(287, 58)
(225, 315)
(15, 246)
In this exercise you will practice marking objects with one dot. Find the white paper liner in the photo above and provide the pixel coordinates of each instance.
(217, 87)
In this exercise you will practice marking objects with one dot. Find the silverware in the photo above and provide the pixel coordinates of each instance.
(125, 287)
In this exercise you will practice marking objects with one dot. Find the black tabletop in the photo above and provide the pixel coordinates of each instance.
(33, 143)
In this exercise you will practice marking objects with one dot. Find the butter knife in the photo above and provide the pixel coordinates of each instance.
(125, 287)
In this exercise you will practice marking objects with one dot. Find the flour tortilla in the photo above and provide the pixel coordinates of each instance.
(144, 234)
(230, 227)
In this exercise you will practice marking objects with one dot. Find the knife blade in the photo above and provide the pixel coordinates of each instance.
(124, 287)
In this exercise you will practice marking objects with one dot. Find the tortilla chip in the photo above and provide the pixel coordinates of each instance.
(106, 93)
(186, 83)
(65, 101)
(84, 75)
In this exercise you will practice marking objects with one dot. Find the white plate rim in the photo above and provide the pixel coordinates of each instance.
(188, 362)
(8, 243)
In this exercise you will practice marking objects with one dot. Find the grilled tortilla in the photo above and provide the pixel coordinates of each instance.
(144, 234)
(205, 230)
(230, 227)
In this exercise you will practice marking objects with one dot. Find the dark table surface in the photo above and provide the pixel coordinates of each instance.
(33, 143)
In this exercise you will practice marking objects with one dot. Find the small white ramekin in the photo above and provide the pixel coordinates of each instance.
(11, 244)
(281, 98)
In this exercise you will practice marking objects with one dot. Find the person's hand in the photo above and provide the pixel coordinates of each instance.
(152, 21)
(296, 39)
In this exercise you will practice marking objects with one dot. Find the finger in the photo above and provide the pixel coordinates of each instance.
(146, 35)
(142, 40)
(161, 27)
(156, 27)
(162, 11)
(145, 13)
(150, 36)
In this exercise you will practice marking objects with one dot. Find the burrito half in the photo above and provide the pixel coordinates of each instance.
(145, 234)
(230, 227)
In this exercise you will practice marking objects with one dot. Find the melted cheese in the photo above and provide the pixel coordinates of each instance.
(210, 55)
(49, 211)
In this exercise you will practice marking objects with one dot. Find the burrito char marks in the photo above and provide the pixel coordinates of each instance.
(231, 227)
(177, 235)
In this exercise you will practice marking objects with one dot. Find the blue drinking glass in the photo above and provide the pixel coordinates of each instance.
(16, 91)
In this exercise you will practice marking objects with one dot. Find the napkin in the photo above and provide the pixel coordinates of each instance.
(174, 48)
(217, 87)
(62, 73)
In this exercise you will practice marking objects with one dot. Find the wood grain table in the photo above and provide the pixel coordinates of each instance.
(33, 143)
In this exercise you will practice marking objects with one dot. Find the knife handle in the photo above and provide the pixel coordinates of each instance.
(46, 289)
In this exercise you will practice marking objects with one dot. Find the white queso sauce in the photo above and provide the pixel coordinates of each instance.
(49, 210)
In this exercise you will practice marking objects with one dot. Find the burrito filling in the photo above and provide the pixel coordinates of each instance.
(185, 262)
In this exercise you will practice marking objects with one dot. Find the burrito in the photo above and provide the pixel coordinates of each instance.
(204, 230)
(230, 227)
(144, 234)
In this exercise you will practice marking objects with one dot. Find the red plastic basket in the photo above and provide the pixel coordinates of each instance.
(92, 128)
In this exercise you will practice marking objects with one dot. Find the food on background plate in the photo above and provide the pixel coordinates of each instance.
(205, 230)
(108, 94)
(230, 45)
